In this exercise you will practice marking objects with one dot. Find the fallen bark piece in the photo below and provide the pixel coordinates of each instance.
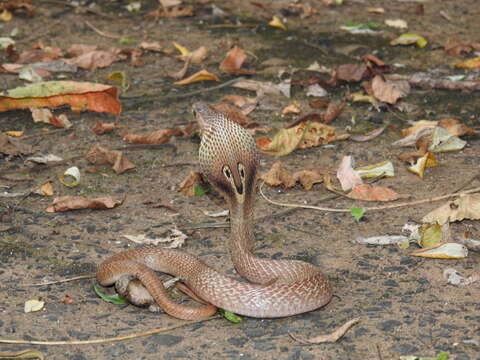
(332, 337)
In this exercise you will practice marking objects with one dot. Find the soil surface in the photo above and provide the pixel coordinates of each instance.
(405, 305)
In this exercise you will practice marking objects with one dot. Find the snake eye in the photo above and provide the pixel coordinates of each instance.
(226, 172)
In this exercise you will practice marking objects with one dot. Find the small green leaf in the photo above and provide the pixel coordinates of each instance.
(198, 191)
(114, 299)
(442, 356)
(126, 41)
(119, 77)
(234, 318)
(357, 213)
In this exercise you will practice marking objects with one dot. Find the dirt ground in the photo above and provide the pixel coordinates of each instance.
(405, 305)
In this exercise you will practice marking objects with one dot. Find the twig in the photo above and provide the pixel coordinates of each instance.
(80, 277)
(230, 26)
(333, 337)
(105, 340)
(102, 33)
(146, 98)
(45, 133)
(371, 208)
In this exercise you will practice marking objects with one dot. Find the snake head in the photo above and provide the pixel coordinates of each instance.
(227, 155)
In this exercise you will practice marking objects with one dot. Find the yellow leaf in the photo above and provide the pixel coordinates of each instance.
(443, 251)
(276, 22)
(14, 133)
(410, 38)
(426, 161)
(6, 15)
(469, 64)
(183, 50)
(202, 75)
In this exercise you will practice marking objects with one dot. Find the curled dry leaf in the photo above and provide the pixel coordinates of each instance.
(333, 337)
(202, 75)
(418, 126)
(196, 56)
(304, 135)
(46, 189)
(443, 251)
(45, 115)
(67, 203)
(177, 239)
(245, 104)
(443, 141)
(101, 128)
(156, 137)
(294, 107)
(333, 111)
(389, 91)
(369, 135)
(79, 95)
(234, 114)
(409, 39)
(367, 192)
(464, 207)
(455, 127)
(277, 22)
(351, 72)
(100, 155)
(154, 46)
(80, 49)
(426, 161)
(278, 176)
(469, 64)
(187, 186)
(95, 59)
(347, 176)
(233, 62)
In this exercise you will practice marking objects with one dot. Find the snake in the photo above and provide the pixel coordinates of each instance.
(270, 288)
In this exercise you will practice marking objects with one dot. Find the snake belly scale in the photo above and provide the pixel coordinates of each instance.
(275, 288)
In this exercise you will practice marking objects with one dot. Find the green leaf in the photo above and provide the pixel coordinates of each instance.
(126, 41)
(234, 318)
(114, 299)
(198, 191)
(442, 356)
(357, 213)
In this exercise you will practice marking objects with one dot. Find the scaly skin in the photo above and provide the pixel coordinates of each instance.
(276, 288)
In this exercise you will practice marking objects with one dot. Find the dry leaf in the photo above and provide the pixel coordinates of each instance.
(94, 59)
(80, 49)
(443, 251)
(369, 135)
(177, 239)
(389, 91)
(426, 161)
(469, 64)
(245, 104)
(443, 141)
(418, 126)
(46, 189)
(333, 337)
(278, 175)
(367, 192)
(308, 178)
(196, 56)
(347, 176)
(351, 72)
(100, 155)
(294, 107)
(155, 137)
(202, 75)
(101, 128)
(187, 187)
(455, 127)
(67, 203)
(276, 22)
(464, 207)
(151, 46)
(33, 305)
(233, 62)
(45, 115)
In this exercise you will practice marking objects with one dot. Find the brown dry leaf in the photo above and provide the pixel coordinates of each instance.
(202, 75)
(333, 337)
(347, 176)
(233, 62)
(304, 135)
(100, 155)
(79, 95)
(455, 127)
(351, 72)
(463, 207)
(469, 64)
(187, 186)
(94, 59)
(46, 189)
(173, 11)
(367, 192)
(234, 114)
(246, 104)
(278, 175)
(155, 137)
(309, 177)
(418, 126)
(389, 91)
(333, 111)
(101, 128)
(460, 48)
(182, 72)
(45, 115)
(67, 203)
(294, 107)
(40, 54)
(154, 46)
(195, 57)
(80, 49)
(11, 146)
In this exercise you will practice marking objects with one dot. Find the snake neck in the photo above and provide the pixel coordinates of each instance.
(241, 242)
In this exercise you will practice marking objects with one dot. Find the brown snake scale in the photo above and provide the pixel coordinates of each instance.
(275, 288)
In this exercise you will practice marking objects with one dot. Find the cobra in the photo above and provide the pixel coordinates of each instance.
(274, 288)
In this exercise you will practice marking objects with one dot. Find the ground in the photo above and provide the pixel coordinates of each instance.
(405, 305)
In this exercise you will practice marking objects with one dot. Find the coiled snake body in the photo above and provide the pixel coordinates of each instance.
(276, 288)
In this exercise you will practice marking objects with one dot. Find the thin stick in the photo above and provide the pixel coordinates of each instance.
(80, 277)
(371, 208)
(45, 133)
(104, 340)
(102, 33)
